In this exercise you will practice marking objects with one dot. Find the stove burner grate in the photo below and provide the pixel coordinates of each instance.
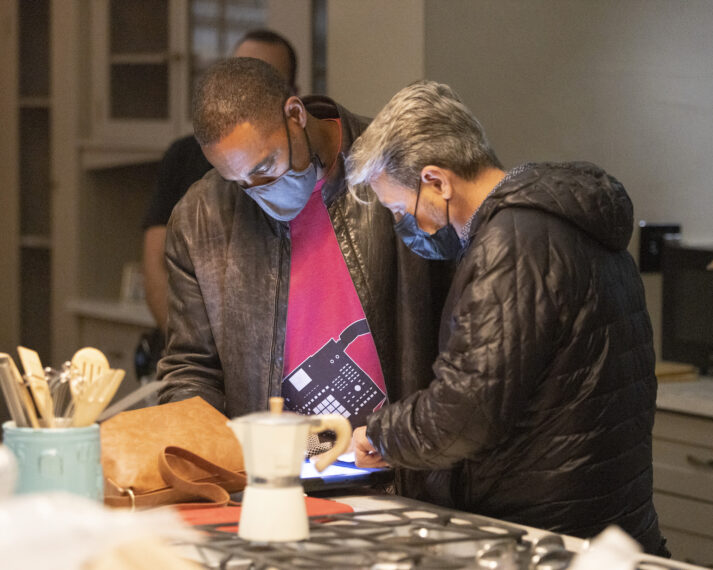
(390, 539)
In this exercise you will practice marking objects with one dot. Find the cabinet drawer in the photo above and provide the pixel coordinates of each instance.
(687, 515)
(683, 469)
(691, 548)
(692, 430)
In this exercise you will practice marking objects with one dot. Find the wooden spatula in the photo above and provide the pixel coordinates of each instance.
(38, 383)
(18, 398)
(91, 362)
(95, 396)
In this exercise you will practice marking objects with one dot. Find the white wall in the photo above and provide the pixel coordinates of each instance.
(627, 84)
(374, 48)
(293, 19)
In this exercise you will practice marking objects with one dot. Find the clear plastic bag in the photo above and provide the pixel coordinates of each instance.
(67, 532)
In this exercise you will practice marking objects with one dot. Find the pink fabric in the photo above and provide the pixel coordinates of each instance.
(322, 299)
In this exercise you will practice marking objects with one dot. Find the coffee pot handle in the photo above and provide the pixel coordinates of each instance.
(340, 426)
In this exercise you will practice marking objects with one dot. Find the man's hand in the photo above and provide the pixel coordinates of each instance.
(364, 453)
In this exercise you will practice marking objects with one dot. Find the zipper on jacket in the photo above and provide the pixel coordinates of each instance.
(275, 316)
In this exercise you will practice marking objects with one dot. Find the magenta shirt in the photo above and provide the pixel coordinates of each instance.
(322, 304)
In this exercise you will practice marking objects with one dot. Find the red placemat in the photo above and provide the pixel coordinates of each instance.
(231, 515)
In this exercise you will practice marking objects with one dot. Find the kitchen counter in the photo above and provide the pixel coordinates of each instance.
(683, 468)
(694, 398)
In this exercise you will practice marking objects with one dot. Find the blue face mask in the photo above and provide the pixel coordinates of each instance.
(286, 196)
(444, 244)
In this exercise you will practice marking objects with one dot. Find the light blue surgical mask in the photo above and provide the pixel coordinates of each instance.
(286, 196)
(443, 244)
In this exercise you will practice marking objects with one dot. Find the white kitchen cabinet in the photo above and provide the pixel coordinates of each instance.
(83, 132)
(683, 469)
(138, 57)
(146, 57)
(33, 154)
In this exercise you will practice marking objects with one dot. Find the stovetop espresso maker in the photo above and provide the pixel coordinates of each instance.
(274, 445)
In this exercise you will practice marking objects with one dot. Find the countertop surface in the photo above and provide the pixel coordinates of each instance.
(695, 398)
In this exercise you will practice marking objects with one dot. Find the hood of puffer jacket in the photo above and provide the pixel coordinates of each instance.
(579, 192)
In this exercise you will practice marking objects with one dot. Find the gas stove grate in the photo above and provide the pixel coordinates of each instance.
(398, 539)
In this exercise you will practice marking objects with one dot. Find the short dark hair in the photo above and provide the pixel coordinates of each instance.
(234, 91)
(270, 37)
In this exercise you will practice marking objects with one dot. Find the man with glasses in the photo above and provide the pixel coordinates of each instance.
(184, 163)
(281, 282)
(543, 395)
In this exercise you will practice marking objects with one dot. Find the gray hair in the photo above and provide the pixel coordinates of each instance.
(234, 91)
(424, 123)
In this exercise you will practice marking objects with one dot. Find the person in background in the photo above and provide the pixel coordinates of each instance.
(184, 163)
(543, 395)
(281, 282)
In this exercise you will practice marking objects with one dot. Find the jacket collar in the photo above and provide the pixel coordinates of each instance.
(322, 107)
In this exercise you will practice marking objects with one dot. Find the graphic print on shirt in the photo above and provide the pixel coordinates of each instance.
(330, 382)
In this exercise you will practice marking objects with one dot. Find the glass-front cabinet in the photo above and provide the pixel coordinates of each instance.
(215, 26)
(137, 59)
(146, 57)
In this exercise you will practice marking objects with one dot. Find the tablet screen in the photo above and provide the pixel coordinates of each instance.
(341, 474)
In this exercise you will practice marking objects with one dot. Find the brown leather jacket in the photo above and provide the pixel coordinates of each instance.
(229, 268)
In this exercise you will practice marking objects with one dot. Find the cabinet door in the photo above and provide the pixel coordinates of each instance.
(146, 57)
(213, 29)
(137, 55)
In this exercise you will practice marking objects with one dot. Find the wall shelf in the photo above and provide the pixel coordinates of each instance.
(112, 310)
(102, 154)
(35, 102)
(36, 241)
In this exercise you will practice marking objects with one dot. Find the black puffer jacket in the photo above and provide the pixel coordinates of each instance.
(544, 394)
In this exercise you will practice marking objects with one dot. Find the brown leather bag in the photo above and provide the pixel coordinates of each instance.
(172, 453)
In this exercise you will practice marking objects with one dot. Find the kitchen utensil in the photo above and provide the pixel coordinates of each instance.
(16, 397)
(111, 387)
(95, 396)
(130, 399)
(37, 382)
(90, 361)
(274, 445)
(31, 362)
(43, 399)
(89, 364)
(59, 384)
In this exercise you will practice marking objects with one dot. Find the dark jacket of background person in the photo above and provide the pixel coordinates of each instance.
(181, 165)
(545, 381)
(229, 268)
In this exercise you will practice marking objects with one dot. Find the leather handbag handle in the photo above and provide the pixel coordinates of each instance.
(214, 488)
(212, 491)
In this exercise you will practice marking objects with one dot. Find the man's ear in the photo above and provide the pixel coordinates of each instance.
(440, 179)
(295, 110)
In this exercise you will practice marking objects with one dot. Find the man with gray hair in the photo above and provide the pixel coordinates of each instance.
(280, 282)
(543, 398)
